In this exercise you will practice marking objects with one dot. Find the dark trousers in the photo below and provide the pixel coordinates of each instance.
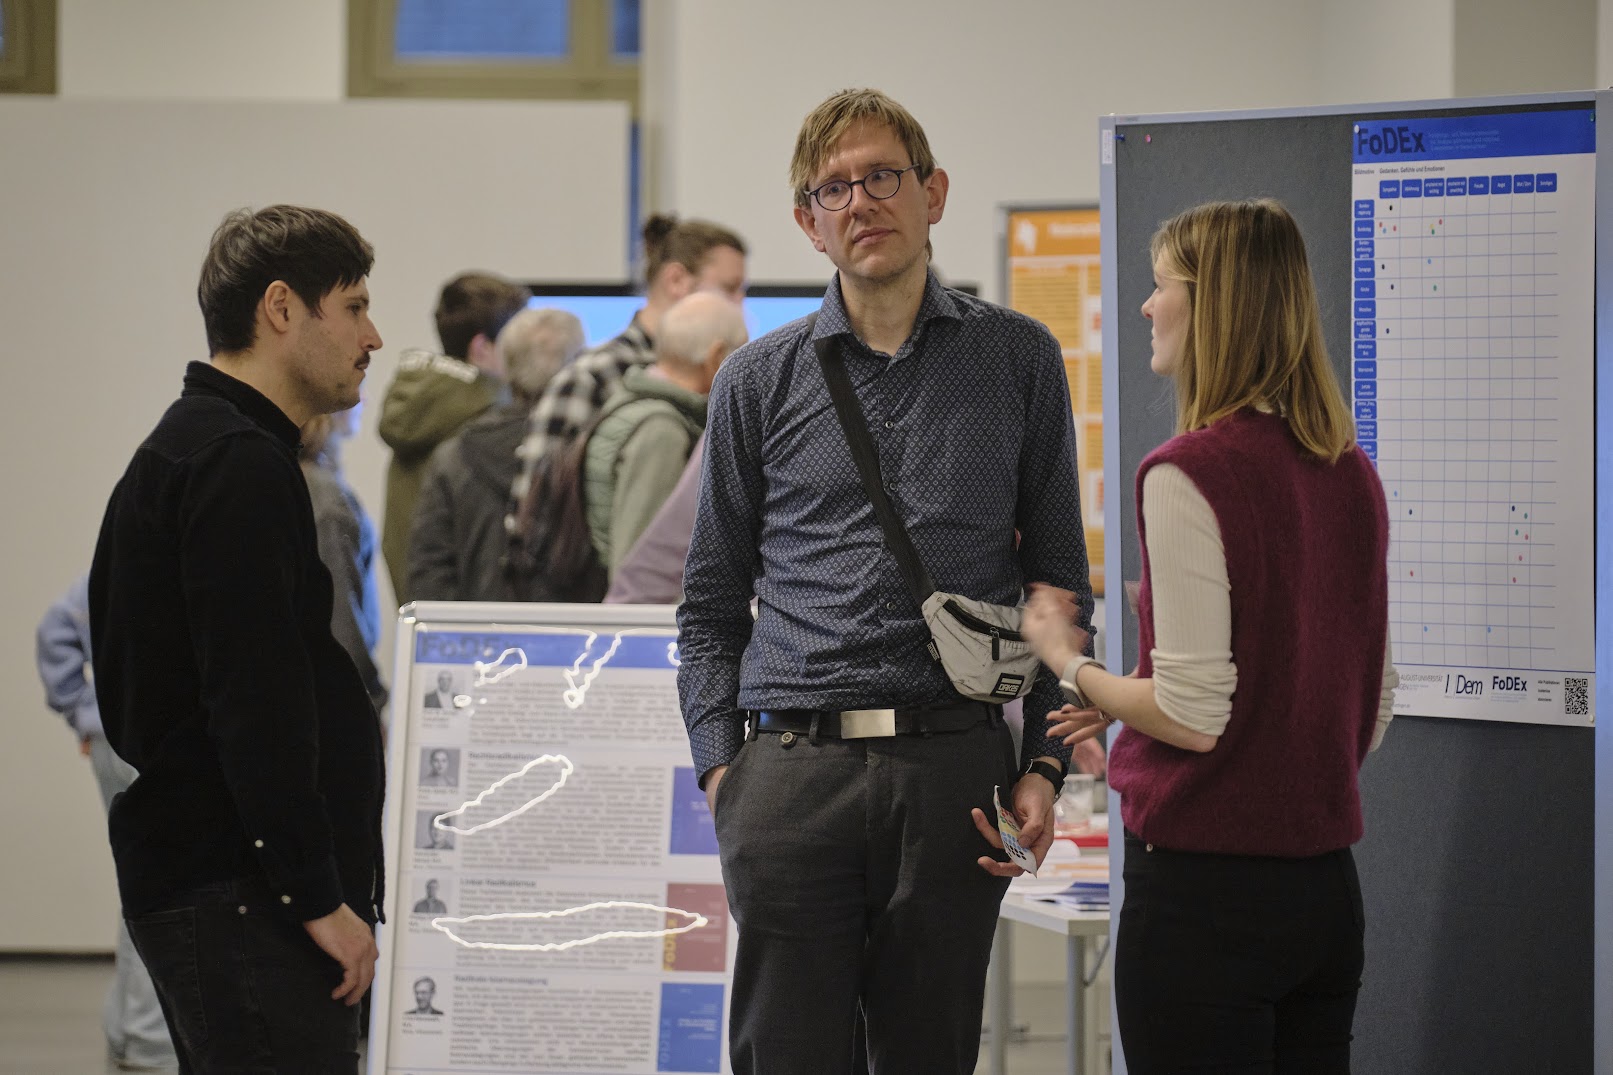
(245, 991)
(1233, 963)
(852, 875)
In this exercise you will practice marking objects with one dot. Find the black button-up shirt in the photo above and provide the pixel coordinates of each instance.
(258, 750)
(971, 419)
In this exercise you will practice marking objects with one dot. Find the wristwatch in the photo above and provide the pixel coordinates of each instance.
(1072, 693)
(1050, 773)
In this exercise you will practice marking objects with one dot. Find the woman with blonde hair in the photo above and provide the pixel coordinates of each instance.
(1263, 676)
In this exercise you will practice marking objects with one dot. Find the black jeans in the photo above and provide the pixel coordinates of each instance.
(244, 989)
(852, 875)
(1234, 963)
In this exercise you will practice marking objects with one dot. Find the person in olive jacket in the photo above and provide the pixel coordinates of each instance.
(435, 395)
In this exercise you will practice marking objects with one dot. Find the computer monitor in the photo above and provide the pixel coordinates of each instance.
(606, 309)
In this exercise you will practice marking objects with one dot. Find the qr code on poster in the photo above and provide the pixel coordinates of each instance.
(1576, 696)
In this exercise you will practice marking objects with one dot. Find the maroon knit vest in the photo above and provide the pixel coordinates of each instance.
(1306, 549)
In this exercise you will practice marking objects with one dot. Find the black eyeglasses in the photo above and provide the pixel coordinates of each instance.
(881, 183)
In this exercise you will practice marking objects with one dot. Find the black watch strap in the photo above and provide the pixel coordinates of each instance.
(1051, 772)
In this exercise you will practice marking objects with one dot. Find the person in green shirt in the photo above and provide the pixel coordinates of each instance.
(642, 440)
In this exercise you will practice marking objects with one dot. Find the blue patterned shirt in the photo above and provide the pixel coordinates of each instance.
(971, 419)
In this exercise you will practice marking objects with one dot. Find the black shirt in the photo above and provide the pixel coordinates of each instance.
(258, 750)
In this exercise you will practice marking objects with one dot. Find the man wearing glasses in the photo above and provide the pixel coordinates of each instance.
(852, 864)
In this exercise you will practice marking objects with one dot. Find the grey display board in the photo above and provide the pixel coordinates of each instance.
(1477, 864)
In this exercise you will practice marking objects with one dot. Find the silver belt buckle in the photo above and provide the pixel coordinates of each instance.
(867, 723)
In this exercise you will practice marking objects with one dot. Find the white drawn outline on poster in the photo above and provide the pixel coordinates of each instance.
(573, 697)
(695, 921)
(576, 692)
(566, 769)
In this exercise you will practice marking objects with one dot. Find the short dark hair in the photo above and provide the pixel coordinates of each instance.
(476, 304)
(314, 252)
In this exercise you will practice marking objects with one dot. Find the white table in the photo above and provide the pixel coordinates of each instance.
(1075, 927)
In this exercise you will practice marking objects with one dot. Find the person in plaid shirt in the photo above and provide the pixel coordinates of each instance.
(681, 257)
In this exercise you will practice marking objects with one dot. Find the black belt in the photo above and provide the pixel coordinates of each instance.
(907, 720)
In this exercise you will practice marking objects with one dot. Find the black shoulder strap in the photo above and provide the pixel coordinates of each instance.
(919, 582)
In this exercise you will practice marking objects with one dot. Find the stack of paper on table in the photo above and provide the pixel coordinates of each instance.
(1068, 878)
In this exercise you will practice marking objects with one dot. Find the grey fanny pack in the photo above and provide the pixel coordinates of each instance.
(977, 643)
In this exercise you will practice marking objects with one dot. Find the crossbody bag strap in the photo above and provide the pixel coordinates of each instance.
(863, 453)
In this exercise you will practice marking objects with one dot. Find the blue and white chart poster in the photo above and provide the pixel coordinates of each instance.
(1472, 383)
(559, 905)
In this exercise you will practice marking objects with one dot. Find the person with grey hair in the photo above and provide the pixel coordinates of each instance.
(457, 544)
(638, 448)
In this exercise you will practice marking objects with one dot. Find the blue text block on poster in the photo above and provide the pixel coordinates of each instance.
(577, 647)
(1366, 289)
(692, 830)
(1434, 188)
(1411, 188)
(1546, 183)
(1366, 390)
(1537, 132)
(1523, 184)
(1363, 208)
(1366, 410)
(1478, 184)
(1456, 188)
(1366, 348)
(691, 1028)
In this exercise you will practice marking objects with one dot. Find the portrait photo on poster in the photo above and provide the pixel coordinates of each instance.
(428, 836)
(439, 767)
(443, 691)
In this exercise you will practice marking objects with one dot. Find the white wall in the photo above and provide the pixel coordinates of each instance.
(203, 49)
(106, 211)
(1604, 43)
(1360, 62)
(1506, 47)
(1009, 95)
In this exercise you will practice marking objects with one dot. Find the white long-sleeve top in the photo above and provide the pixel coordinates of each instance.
(1194, 676)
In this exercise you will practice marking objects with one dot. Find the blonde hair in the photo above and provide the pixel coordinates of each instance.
(1255, 331)
(826, 124)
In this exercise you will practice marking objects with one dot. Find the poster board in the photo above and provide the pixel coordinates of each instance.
(1051, 271)
(1481, 834)
(554, 902)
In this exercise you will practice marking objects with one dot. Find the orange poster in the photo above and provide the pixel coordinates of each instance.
(1053, 274)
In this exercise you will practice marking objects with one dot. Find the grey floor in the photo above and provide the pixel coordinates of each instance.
(50, 1021)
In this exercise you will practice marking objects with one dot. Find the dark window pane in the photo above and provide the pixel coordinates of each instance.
(3, 29)
(624, 29)
(483, 29)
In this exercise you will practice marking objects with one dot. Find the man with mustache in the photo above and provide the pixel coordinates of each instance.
(249, 848)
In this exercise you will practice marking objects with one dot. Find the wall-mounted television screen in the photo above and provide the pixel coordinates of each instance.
(606, 309)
